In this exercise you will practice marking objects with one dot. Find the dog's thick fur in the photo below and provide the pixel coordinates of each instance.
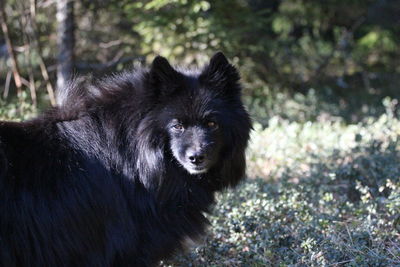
(109, 178)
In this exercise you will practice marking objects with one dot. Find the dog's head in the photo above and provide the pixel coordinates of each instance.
(202, 116)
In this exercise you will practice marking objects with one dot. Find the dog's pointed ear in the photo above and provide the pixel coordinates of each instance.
(163, 77)
(162, 71)
(220, 73)
(218, 61)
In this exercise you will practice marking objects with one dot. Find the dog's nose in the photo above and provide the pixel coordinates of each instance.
(196, 157)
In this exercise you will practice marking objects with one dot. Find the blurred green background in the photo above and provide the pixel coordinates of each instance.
(322, 83)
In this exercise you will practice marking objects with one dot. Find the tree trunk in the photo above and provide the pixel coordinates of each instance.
(65, 42)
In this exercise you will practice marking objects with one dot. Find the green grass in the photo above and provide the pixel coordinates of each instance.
(320, 193)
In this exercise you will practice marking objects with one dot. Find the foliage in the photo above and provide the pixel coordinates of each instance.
(331, 46)
(298, 144)
(17, 110)
(284, 44)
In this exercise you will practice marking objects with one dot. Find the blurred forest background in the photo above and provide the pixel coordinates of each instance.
(343, 53)
(322, 83)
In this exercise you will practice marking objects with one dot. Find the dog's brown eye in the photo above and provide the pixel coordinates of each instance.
(212, 124)
(178, 127)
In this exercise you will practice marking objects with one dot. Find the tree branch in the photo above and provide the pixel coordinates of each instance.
(14, 63)
(35, 40)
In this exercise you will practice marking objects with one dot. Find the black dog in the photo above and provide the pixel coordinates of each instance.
(122, 172)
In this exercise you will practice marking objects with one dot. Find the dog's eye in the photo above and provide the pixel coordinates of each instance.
(212, 124)
(178, 127)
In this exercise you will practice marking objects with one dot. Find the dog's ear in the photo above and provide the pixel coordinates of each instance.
(220, 73)
(162, 70)
(218, 61)
(163, 75)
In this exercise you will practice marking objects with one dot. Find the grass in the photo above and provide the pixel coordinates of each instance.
(320, 192)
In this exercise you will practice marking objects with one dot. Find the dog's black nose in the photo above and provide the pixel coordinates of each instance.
(196, 157)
